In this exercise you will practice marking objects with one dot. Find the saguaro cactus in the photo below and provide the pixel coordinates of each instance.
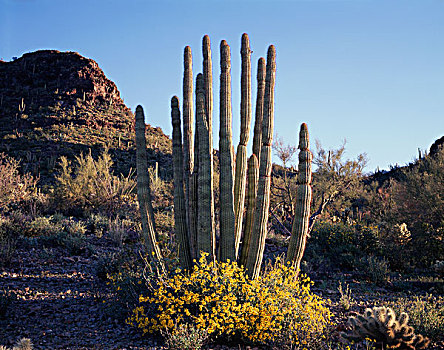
(256, 252)
(299, 230)
(143, 188)
(180, 219)
(205, 224)
(241, 155)
(227, 220)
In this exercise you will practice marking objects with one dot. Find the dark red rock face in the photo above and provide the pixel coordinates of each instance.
(49, 78)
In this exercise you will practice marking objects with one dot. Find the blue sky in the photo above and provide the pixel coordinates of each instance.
(369, 71)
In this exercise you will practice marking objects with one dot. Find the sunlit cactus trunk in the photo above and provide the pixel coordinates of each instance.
(227, 220)
(181, 227)
(299, 230)
(253, 177)
(143, 189)
(257, 137)
(188, 142)
(241, 155)
(257, 244)
(205, 224)
(208, 88)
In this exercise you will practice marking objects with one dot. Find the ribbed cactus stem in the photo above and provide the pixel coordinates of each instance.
(193, 195)
(253, 177)
(208, 87)
(180, 217)
(256, 252)
(205, 224)
(257, 136)
(227, 221)
(143, 189)
(188, 142)
(299, 230)
(241, 155)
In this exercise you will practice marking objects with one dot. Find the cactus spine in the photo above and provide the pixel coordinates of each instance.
(299, 230)
(253, 177)
(257, 137)
(143, 188)
(205, 228)
(180, 219)
(256, 251)
(241, 155)
(227, 220)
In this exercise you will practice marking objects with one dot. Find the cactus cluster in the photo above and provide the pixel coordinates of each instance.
(380, 324)
(193, 165)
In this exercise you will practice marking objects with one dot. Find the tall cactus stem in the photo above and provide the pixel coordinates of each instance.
(253, 177)
(208, 87)
(241, 155)
(227, 220)
(257, 137)
(256, 252)
(180, 217)
(143, 189)
(299, 230)
(205, 224)
(188, 142)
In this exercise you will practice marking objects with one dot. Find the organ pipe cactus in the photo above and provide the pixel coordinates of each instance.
(188, 142)
(253, 177)
(257, 137)
(193, 162)
(241, 155)
(299, 231)
(205, 229)
(257, 244)
(180, 219)
(227, 220)
(143, 188)
(208, 91)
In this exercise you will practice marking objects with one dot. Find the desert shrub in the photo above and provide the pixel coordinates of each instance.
(426, 314)
(220, 299)
(97, 224)
(90, 186)
(8, 241)
(375, 269)
(16, 189)
(43, 226)
(419, 202)
(118, 230)
(185, 337)
(342, 245)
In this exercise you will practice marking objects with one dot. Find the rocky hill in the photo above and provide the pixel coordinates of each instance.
(60, 103)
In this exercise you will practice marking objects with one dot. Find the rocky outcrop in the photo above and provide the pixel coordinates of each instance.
(56, 103)
(50, 77)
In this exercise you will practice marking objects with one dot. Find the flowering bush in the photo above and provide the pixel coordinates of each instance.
(220, 299)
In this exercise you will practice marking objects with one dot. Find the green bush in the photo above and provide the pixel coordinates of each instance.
(89, 186)
(342, 245)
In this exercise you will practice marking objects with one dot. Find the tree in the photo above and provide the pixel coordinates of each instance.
(337, 183)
